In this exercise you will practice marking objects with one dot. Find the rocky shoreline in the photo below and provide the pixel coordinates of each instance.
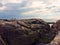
(29, 32)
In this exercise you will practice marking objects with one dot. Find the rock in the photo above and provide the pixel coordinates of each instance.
(1, 43)
(56, 27)
(56, 40)
(25, 32)
(42, 44)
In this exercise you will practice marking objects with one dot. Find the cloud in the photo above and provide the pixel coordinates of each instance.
(11, 1)
(13, 4)
(2, 7)
(55, 17)
(47, 6)
(31, 8)
(35, 4)
(30, 12)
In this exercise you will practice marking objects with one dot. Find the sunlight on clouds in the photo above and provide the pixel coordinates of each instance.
(11, 1)
(30, 12)
(48, 8)
(53, 17)
(14, 1)
(36, 4)
(43, 7)
(37, 11)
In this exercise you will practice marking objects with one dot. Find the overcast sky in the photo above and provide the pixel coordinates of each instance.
(45, 9)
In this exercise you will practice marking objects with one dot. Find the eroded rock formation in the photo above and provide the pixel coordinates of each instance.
(25, 32)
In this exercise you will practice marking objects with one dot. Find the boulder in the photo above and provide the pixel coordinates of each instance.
(56, 27)
(25, 31)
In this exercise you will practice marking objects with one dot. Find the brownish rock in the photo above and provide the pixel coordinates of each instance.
(25, 32)
(56, 27)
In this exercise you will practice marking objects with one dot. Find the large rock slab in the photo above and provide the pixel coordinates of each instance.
(25, 32)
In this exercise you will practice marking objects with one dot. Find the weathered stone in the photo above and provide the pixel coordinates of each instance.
(25, 32)
(56, 27)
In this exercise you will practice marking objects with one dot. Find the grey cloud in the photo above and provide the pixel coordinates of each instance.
(13, 10)
(15, 6)
(1, 4)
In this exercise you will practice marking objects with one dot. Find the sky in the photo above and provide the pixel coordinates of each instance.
(19, 9)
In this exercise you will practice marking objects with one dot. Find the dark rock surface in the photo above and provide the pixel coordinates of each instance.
(25, 32)
(56, 27)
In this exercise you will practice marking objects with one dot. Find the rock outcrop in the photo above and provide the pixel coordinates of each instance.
(25, 32)
(56, 27)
